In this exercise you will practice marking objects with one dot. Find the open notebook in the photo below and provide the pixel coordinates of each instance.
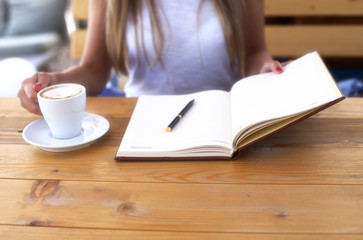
(221, 123)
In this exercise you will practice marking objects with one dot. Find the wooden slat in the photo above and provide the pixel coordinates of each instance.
(330, 41)
(305, 152)
(78, 40)
(80, 9)
(291, 41)
(310, 163)
(238, 208)
(276, 8)
(314, 8)
(36, 233)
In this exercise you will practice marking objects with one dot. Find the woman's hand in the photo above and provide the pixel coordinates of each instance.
(273, 66)
(31, 86)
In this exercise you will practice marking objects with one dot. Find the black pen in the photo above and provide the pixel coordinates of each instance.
(180, 115)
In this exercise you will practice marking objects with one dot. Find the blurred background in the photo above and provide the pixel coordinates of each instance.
(34, 36)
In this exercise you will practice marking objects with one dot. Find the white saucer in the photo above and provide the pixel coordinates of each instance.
(38, 134)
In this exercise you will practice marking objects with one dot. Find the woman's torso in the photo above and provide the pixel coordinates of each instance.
(194, 55)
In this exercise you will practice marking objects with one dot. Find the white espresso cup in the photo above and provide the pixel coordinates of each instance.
(63, 107)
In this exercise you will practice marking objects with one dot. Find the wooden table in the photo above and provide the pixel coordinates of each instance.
(305, 182)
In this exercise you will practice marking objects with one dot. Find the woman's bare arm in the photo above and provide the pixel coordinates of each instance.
(258, 59)
(93, 71)
(95, 67)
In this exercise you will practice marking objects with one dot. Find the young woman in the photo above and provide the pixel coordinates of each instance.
(166, 47)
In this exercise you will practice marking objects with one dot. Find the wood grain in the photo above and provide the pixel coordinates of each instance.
(296, 164)
(238, 208)
(313, 151)
(303, 182)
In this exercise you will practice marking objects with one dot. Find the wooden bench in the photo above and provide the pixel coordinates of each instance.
(333, 27)
(293, 28)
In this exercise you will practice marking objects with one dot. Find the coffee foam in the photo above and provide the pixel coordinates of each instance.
(61, 92)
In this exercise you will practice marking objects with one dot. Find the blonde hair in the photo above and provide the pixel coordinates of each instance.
(230, 13)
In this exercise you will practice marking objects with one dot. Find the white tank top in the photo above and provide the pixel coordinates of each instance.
(194, 55)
